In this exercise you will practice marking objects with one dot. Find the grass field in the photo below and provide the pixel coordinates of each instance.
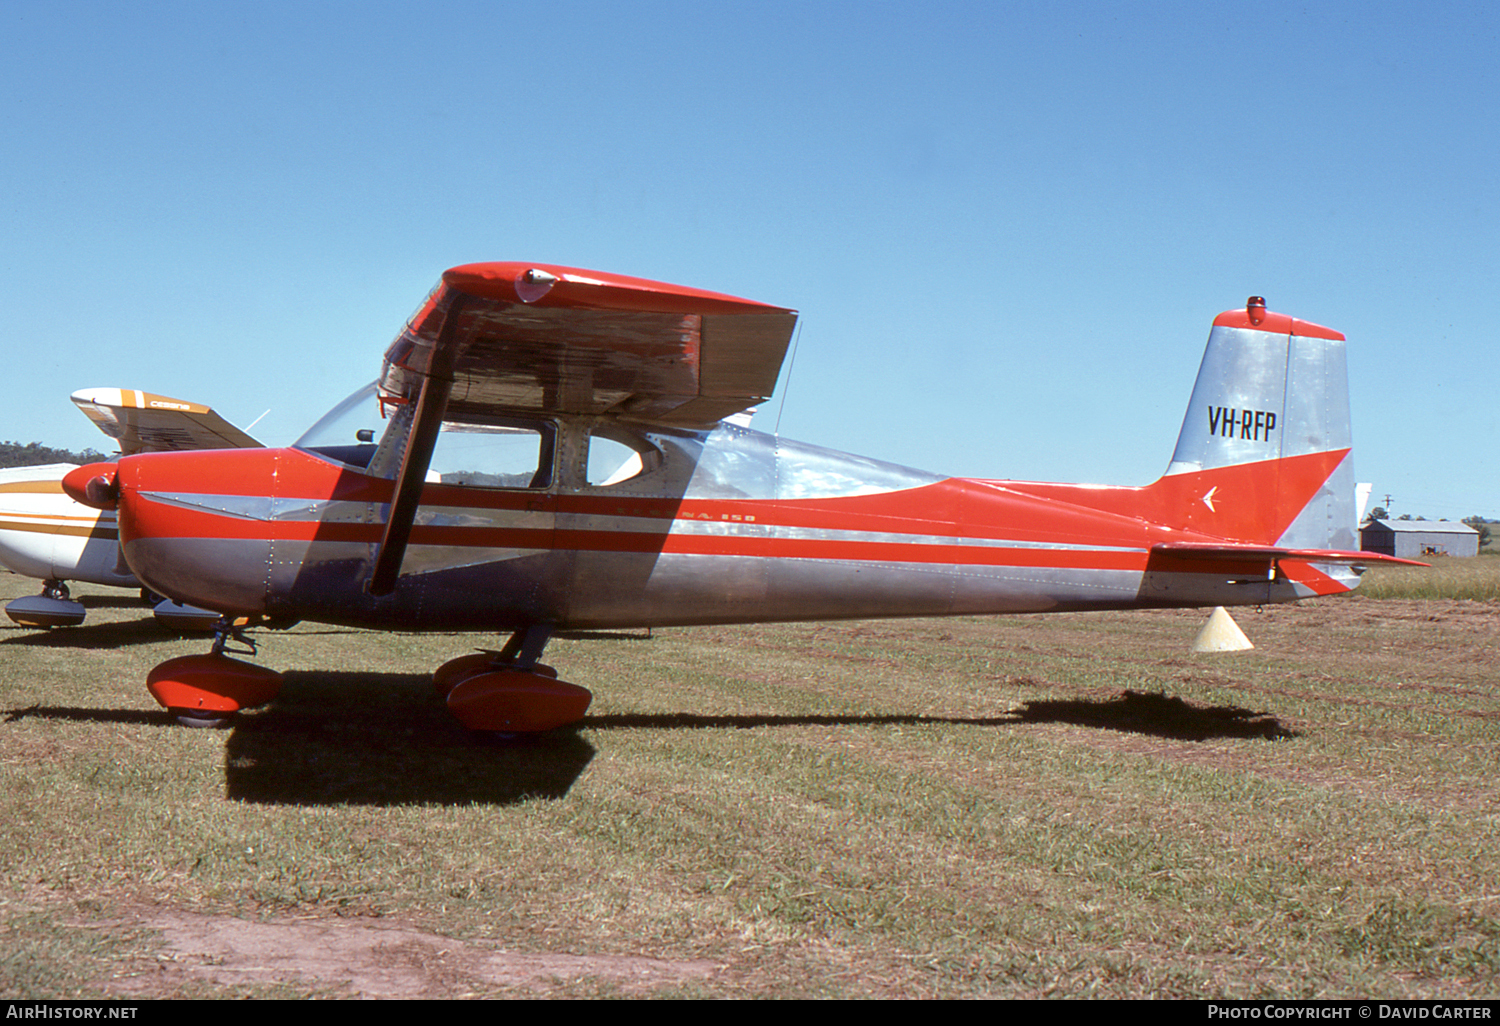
(1448, 577)
(1073, 806)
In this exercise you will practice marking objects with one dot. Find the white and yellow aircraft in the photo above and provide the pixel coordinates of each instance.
(46, 535)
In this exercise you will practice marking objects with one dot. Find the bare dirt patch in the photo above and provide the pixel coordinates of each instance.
(358, 959)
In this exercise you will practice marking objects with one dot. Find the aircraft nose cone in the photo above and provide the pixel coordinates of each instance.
(94, 484)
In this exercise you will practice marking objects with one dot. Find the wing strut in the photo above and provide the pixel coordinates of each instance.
(432, 403)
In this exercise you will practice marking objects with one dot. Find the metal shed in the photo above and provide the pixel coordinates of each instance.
(1413, 539)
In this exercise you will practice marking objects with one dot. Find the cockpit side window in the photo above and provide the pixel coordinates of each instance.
(496, 454)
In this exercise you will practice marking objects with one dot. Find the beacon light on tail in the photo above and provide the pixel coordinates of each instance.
(551, 449)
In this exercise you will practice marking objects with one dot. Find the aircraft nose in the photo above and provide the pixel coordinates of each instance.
(94, 484)
(193, 525)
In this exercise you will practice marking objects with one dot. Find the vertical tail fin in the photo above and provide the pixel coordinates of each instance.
(1258, 503)
(1272, 398)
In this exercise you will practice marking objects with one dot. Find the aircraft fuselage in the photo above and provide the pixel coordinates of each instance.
(721, 526)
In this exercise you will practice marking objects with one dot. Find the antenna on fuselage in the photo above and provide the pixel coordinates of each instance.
(790, 365)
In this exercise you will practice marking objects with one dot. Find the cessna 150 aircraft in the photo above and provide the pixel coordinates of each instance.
(47, 535)
(547, 448)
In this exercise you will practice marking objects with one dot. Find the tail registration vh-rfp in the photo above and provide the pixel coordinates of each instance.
(548, 448)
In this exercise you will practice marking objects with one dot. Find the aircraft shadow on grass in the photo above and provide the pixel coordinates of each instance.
(384, 739)
(1159, 715)
(364, 739)
(94, 635)
(78, 714)
(1134, 712)
(145, 630)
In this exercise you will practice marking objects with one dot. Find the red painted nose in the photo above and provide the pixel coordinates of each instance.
(95, 484)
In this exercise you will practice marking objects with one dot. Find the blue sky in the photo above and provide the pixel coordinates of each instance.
(1007, 226)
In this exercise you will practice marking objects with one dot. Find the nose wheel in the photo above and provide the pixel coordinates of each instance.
(207, 690)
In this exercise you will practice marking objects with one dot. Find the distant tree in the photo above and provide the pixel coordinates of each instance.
(1379, 513)
(35, 454)
(1482, 526)
(1404, 516)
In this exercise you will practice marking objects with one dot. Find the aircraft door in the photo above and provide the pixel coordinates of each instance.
(482, 546)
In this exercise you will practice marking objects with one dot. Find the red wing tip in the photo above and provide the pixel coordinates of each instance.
(555, 285)
(1275, 323)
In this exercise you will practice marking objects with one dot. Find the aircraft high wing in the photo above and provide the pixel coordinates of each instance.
(547, 448)
(46, 534)
(143, 422)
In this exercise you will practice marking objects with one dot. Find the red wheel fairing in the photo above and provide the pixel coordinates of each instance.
(209, 684)
(514, 701)
(455, 671)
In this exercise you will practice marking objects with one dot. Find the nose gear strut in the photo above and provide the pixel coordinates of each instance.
(207, 690)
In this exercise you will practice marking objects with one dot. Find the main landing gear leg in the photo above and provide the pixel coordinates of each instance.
(509, 692)
(207, 690)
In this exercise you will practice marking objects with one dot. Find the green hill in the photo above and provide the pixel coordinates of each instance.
(34, 454)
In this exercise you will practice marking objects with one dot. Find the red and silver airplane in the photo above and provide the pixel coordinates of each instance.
(549, 449)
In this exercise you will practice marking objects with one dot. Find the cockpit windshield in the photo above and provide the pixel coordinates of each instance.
(369, 431)
(349, 432)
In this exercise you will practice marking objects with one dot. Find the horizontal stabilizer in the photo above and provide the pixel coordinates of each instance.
(1224, 550)
(142, 422)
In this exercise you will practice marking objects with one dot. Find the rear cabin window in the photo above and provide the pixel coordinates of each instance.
(616, 457)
